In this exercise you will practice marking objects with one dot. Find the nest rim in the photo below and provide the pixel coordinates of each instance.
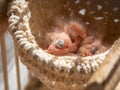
(19, 16)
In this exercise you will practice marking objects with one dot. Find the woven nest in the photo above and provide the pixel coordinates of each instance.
(28, 25)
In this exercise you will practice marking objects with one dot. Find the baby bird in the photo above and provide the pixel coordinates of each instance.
(66, 39)
(90, 46)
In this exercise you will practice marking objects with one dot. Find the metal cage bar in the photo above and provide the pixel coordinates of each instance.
(5, 67)
(4, 61)
(17, 70)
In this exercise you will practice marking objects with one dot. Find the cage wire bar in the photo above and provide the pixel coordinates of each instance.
(4, 62)
(17, 70)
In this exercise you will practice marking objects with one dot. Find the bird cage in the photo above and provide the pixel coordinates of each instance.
(30, 22)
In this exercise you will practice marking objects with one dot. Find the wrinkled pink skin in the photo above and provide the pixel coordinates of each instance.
(72, 33)
(88, 45)
(75, 41)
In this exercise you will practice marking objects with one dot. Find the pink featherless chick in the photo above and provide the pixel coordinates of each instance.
(67, 39)
(91, 45)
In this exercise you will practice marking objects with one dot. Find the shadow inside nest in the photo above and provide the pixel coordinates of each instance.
(99, 19)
